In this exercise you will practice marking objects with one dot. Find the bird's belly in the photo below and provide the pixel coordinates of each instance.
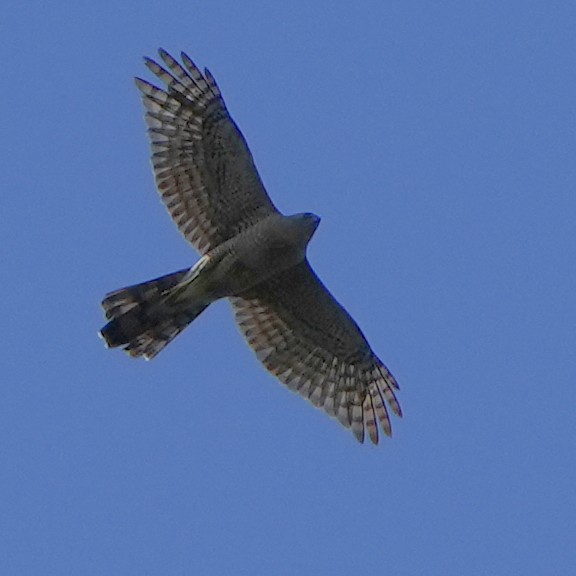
(234, 275)
(231, 276)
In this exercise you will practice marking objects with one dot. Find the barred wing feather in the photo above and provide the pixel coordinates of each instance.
(204, 170)
(304, 336)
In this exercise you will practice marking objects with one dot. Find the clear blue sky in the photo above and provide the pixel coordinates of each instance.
(437, 140)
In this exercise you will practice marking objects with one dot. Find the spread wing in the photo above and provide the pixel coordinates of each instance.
(304, 337)
(204, 170)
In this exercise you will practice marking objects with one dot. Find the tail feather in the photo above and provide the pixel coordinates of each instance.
(143, 320)
(120, 301)
(154, 340)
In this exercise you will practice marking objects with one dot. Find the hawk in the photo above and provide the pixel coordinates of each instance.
(250, 253)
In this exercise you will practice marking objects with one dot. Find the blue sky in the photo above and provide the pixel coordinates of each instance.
(437, 141)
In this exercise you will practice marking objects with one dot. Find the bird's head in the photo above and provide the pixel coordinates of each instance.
(297, 230)
(309, 222)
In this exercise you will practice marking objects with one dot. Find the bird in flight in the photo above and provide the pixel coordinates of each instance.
(250, 253)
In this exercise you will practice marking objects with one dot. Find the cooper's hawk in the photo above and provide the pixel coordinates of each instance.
(251, 254)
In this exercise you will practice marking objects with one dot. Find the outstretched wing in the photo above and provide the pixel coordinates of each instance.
(304, 337)
(204, 170)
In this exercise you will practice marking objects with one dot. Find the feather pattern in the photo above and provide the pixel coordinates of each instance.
(141, 320)
(204, 170)
(310, 343)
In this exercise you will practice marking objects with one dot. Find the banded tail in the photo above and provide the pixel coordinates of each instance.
(144, 319)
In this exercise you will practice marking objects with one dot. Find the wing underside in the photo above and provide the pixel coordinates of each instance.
(204, 170)
(304, 337)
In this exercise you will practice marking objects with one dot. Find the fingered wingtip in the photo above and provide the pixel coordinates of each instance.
(188, 62)
(359, 435)
(150, 64)
(167, 58)
(140, 83)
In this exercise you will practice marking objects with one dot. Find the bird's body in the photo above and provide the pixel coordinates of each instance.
(268, 247)
(251, 254)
